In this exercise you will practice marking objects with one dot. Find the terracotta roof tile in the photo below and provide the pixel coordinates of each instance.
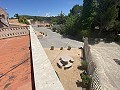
(15, 65)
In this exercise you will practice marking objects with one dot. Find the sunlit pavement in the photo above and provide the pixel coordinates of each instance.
(56, 40)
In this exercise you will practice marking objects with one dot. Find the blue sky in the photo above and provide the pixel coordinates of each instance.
(38, 7)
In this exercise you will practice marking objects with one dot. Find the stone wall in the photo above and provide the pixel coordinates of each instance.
(14, 32)
(92, 68)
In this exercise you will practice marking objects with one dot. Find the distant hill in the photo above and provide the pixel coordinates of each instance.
(40, 18)
(51, 19)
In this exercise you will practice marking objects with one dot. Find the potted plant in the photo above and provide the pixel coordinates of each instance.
(69, 47)
(61, 48)
(52, 48)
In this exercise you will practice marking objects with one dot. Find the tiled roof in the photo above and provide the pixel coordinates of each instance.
(15, 65)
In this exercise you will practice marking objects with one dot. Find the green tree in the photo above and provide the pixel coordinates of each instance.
(61, 18)
(72, 20)
(53, 20)
(76, 10)
(70, 26)
(106, 14)
(16, 15)
(87, 18)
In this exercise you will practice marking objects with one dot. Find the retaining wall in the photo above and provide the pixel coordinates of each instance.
(104, 71)
(92, 68)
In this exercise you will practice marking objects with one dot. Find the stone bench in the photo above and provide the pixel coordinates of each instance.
(71, 60)
(68, 66)
(59, 64)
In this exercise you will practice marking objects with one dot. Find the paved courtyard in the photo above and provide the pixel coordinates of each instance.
(56, 40)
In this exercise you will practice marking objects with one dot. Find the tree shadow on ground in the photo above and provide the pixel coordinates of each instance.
(71, 37)
(117, 61)
(93, 41)
(118, 43)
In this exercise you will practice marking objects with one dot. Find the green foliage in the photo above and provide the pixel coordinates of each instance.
(85, 33)
(71, 24)
(84, 65)
(61, 18)
(111, 37)
(62, 29)
(116, 26)
(23, 20)
(86, 79)
(103, 14)
(87, 17)
(16, 15)
(106, 14)
(76, 10)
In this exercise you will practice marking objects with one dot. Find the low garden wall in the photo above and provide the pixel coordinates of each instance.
(13, 32)
(45, 77)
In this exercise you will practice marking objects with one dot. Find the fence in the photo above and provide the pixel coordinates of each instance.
(92, 70)
(13, 31)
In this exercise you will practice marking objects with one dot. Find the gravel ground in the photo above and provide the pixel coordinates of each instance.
(56, 40)
(108, 63)
(70, 78)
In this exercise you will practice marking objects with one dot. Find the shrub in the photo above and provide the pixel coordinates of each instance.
(111, 37)
(69, 47)
(61, 48)
(86, 79)
(85, 33)
(52, 48)
(54, 29)
(84, 65)
(57, 31)
(117, 39)
(23, 20)
(26, 22)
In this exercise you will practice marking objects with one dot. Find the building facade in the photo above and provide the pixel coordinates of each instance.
(3, 18)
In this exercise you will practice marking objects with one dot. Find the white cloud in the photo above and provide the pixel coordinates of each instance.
(47, 14)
